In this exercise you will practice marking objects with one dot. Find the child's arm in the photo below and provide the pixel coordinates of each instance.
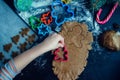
(52, 42)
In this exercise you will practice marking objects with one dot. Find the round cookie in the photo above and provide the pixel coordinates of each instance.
(77, 41)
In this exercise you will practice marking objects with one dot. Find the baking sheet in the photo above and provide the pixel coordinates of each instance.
(102, 64)
(11, 25)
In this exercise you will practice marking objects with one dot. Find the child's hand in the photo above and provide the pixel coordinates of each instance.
(52, 42)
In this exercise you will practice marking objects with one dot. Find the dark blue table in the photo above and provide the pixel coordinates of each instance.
(102, 64)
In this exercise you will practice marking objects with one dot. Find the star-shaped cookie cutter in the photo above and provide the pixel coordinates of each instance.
(59, 59)
(61, 12)
(44, 30)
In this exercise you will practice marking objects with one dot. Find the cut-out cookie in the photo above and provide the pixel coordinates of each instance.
(22, 46)
(15, 39)
(75, 35)
(31, 38)
(1, 56)
(7, 47)
(24, 31)
(14, 54)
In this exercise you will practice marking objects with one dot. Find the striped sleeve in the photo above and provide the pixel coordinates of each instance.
(8, 71)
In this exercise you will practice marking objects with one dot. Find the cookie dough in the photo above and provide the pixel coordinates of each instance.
(77, 40)
(111, 40)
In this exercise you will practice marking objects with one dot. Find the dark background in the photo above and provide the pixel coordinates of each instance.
(102, 64)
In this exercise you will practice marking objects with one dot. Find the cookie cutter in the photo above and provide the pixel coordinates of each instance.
(44, 30)
(46, 18)
(34, 22)
(61, 12)
(57, 58)
(66, 1)
(23, 5)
